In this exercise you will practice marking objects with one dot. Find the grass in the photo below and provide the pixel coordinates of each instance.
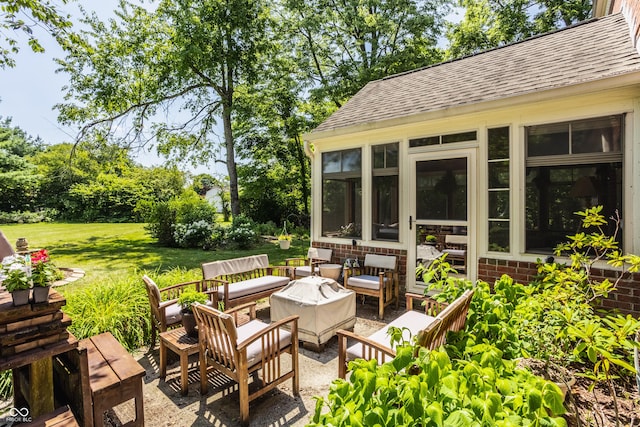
(113, 251)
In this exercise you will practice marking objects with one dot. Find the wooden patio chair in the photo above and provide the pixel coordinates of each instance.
(430, 332)
(455, 246)
(165, 312)
(378, 278)
(238, 351)
(302, 267)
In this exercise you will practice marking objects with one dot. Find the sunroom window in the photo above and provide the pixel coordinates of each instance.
(342, 193)
(570, 166)
(384, 195)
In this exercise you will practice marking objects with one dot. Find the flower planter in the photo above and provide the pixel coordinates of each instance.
(41, 294)
(20, 297)
(284, 244)
(189, 323)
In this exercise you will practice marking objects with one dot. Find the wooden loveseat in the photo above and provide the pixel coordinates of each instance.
(430, 331)
(240, 280)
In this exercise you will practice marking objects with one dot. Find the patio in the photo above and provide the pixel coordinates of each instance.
(165, 406)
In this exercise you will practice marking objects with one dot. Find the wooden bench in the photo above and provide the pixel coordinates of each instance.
(430, 332)
(97, 376)
(242, 280)
(61, 417)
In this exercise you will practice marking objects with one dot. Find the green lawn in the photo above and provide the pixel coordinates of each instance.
(106, 251)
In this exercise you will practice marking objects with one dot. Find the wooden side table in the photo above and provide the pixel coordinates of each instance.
(184, 346)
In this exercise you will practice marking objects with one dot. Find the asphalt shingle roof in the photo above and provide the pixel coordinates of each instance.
(590, 51)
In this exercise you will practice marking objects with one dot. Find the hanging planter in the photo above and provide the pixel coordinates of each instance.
(284, 239)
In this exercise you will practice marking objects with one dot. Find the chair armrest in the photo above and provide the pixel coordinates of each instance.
(431, 306)
(295, 262)
(370, 350)
(234, 311)
(272, 327)
(174, 290)
(282, 270)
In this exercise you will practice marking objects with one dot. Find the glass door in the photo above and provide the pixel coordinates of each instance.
(440, 207)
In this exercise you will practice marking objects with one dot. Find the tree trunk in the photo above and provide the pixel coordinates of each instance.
(231, 159)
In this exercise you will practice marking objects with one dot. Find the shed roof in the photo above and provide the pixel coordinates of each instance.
(586, 52)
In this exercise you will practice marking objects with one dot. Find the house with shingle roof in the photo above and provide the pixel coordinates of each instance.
(492, 154)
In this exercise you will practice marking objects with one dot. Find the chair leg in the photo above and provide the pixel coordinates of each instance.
(243, 389)
(154, 333)
(295, 366)
(204, 383)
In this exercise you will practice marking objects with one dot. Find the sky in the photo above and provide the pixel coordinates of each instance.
(29, 91)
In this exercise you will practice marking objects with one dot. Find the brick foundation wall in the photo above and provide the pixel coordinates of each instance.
(341, 252)
(626, 298)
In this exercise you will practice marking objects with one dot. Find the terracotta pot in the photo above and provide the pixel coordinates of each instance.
(189, 323)
(20, 297)
(41, 294)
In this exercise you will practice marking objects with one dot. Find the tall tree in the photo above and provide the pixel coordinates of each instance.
(355, 41)
(492, 23)
(186, 59)
(24, 15)
(18, 176)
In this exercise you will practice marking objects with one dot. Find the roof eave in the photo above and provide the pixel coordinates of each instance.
(538, 96)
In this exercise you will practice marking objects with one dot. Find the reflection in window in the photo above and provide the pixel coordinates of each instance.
(441, 189)
(342, 193)
(558, 187)
(384, 197)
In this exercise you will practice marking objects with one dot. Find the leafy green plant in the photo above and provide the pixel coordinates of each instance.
(119, 306)
(190, 297)
(242, 232)
(433, 389)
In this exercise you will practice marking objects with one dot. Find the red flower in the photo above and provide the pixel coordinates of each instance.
(41, 256)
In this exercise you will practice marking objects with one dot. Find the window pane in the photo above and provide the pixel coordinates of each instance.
(392, 155)
(499, 204)
(385, 208)
(499, 236)
(548, 140)
(459, 137)
(378, 156)
(342, 208)
(331, 162)
(600, 135)
(498, 143)
(423, 142)
(499, 174)
(441, 189)
(351, 160)
(554, 193)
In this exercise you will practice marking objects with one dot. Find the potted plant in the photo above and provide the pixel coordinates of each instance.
(15, 278)
(430, 240)
(185, 301)
(284, 239)
(43, 273)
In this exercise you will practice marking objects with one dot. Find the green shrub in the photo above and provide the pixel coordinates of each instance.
(434, 390)
(186, 221)
(26, 217)
(242, 232)
(120, 306)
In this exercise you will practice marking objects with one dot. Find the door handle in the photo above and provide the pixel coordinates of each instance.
(410, 221)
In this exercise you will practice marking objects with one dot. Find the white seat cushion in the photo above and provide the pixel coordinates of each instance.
(304, 271)
(456, 252)
(366, 281)
(414, 321)
(173, 314)
(252, 286)
(254, 349)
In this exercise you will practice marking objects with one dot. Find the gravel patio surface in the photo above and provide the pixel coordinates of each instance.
(165, 406)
